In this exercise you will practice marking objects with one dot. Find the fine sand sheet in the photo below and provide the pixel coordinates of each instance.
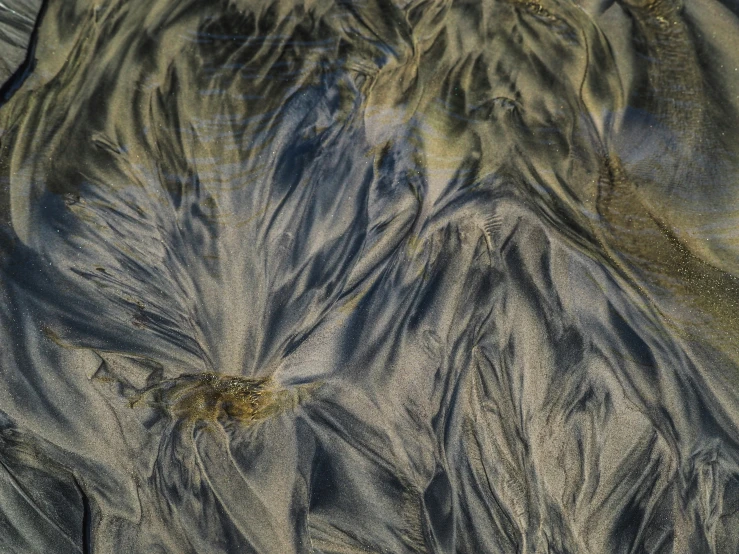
(374, 276)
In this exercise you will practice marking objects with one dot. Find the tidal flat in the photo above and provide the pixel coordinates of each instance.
(369, 276)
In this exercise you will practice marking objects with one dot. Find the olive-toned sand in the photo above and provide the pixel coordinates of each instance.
(387, 276)
(17, 23)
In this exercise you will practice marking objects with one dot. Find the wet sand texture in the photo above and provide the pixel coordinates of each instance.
(17, 22)
(386, 276)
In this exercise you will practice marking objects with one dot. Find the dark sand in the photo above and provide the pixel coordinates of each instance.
(369, 276)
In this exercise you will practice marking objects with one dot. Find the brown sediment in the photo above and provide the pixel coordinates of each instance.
(697, 299)
(647, 242)
(213, 397)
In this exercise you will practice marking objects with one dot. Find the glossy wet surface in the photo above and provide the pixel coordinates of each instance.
(373, 276)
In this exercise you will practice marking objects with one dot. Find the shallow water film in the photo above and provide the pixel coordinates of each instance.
(369, 276)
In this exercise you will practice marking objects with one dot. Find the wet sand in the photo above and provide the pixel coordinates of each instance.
(377, 276)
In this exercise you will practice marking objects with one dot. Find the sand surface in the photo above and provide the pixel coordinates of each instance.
(385, 276)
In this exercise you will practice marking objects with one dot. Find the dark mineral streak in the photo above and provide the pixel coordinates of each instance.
(386, 276)
(17, 22)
